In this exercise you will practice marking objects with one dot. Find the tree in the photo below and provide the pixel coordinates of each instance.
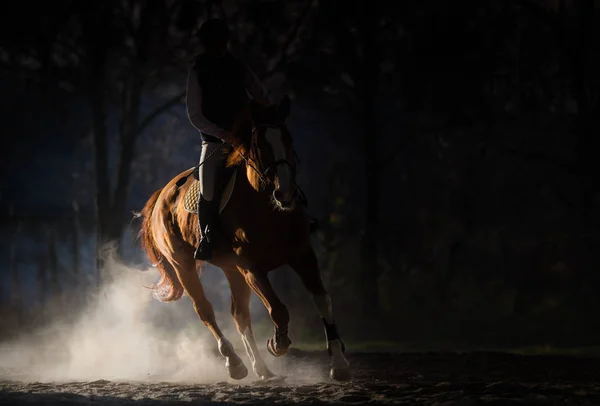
(351, 42)
(109, 52)
(120, 57)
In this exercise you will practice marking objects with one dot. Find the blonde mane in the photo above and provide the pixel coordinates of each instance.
(242, 153)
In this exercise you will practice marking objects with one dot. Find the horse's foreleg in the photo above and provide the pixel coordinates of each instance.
(240, 310)
(191, 283)
(306, 266)
(259, 282)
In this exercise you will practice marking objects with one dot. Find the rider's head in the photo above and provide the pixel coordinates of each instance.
(214, 36)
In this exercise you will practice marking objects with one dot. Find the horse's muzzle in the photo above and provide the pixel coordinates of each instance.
(285, 201)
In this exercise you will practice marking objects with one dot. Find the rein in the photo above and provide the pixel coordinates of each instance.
(250, 161)
(263, 175)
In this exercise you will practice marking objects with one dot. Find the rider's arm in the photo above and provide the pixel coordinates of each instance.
(256, 88)
(194, 110)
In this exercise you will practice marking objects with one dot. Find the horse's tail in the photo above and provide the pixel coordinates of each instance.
(168, 288)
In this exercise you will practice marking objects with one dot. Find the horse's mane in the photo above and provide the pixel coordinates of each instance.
(242, 130)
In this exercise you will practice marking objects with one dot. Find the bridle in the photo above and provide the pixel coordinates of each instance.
(257, 165)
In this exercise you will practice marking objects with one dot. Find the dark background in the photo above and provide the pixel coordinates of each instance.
(448, 150)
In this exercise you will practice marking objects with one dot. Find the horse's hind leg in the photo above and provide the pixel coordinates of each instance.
(188, 276)
(240, 310)
(259, 282)
(306, 266)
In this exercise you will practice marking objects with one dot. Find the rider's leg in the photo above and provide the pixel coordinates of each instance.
(206, 207)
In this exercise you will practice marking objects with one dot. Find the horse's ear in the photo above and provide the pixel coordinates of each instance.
(284, 107)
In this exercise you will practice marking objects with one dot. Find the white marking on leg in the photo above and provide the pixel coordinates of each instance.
(258, 364)
(225, 348)
(284, 172)
(325, 309)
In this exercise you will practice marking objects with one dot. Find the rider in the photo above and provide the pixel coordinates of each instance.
(219, 85)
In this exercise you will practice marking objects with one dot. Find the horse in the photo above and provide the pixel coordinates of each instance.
(262, 227)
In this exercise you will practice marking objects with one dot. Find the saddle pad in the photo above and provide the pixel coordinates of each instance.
(190, 200)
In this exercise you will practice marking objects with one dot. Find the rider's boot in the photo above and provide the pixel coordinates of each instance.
(206, 220)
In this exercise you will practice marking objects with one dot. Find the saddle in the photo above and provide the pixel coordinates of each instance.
(225, 183)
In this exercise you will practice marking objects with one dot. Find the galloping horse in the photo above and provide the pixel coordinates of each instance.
(261, 228)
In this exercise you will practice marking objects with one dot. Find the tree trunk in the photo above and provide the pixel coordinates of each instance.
(102, 180)
(42, 281)
(16, 286)
(54, 272)
(585, 140)
(76, 247)
(563, 62)
(369, 271)
(95, 23)
(129, 129)
(518, 98)
(587, 143)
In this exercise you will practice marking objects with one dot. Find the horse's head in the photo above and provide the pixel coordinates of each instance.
(267, 149)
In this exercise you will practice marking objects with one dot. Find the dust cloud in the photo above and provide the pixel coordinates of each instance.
(125, 334)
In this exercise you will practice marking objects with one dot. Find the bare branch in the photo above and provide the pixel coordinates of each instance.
(158, 111)
(292, 36)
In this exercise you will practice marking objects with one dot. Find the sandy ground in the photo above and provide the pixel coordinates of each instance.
(379, 378)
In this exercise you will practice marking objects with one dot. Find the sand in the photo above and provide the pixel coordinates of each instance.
(379, 378)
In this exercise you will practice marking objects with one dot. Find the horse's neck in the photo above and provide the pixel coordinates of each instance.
(257, 202)
(251, 192)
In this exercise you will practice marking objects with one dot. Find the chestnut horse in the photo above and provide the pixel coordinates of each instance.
(261, 228)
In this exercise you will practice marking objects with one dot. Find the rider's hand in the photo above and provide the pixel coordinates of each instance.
(230, 138)
(226, 136)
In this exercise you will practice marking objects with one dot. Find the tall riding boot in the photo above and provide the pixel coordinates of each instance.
(205, 219)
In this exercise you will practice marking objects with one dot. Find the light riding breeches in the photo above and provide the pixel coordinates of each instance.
(210, 168)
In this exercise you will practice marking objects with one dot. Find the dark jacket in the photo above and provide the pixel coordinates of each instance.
(216, 90)
(223, 89)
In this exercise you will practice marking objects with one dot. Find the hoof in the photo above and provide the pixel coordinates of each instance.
(273, 351)
(237, 371)
(274, 379)
(266, 375)
(340, 374)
